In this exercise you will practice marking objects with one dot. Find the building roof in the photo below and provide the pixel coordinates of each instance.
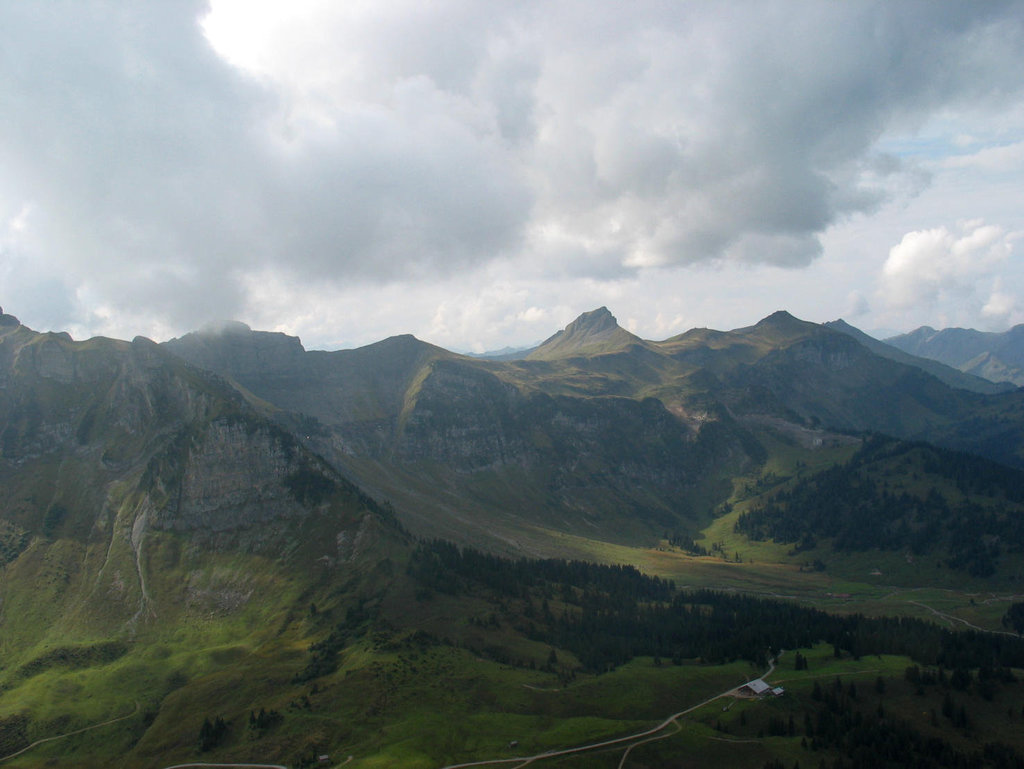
(757, 686)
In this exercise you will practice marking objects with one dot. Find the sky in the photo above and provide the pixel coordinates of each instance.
(479, 174)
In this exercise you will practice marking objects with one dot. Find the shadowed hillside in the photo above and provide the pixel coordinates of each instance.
(595, 428)
(201, 558)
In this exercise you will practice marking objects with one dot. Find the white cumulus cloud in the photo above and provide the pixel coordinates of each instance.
(954, 266)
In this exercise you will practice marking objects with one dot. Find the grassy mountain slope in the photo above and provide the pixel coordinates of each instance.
(157, 533)
(174, 558)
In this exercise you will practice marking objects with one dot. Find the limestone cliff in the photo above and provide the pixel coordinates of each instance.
(109, 448)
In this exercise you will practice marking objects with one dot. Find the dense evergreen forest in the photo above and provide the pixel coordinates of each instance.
(607, 615)
(893, 495)
(858, 727)
(448, 568)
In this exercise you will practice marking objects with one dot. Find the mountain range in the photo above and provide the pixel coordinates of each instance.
(998, 357)
(210, 522)
(595, 427)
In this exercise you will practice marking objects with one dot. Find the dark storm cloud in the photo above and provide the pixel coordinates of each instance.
(392, 142)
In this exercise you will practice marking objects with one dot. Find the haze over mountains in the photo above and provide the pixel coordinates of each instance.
(998, 357)
(945, 371)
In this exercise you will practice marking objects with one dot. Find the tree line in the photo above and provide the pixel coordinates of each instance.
(876, 500)
(608, 615)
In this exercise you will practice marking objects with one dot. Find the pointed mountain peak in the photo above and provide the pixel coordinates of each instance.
(849, 329)
(777, 329)
(591, 333)
(595, 321)
(781, 322)
(918, 334)
(400, 344)
(839, 324)
(779, 318)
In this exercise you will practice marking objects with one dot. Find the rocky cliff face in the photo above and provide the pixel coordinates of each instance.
(234, 347)
(232, 477)
(464, 417)
(181, 448)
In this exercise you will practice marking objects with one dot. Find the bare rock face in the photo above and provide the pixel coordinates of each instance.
(233, 478)
(187, 452)
(464, 417)
(49, 359)
(234, 347)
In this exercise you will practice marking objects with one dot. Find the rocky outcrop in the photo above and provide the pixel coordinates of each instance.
(463, 417)
(233, 478)
(237, 350)
(133, 415)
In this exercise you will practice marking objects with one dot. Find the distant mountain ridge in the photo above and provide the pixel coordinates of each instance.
(402, 414)
(595, 427)
(996, 356)
(952, 376)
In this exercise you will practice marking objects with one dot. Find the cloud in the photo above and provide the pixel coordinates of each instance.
(857, 305)
(1001, 158)
(1000, 305)
(954, 267)
(175, 156)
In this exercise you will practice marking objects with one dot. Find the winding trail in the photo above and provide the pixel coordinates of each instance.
(954, 619)
(639, 738)
(235, 766)
(70, 734)
(199, 765)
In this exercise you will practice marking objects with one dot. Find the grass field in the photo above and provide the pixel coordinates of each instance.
(400, 702)
(233, 631)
